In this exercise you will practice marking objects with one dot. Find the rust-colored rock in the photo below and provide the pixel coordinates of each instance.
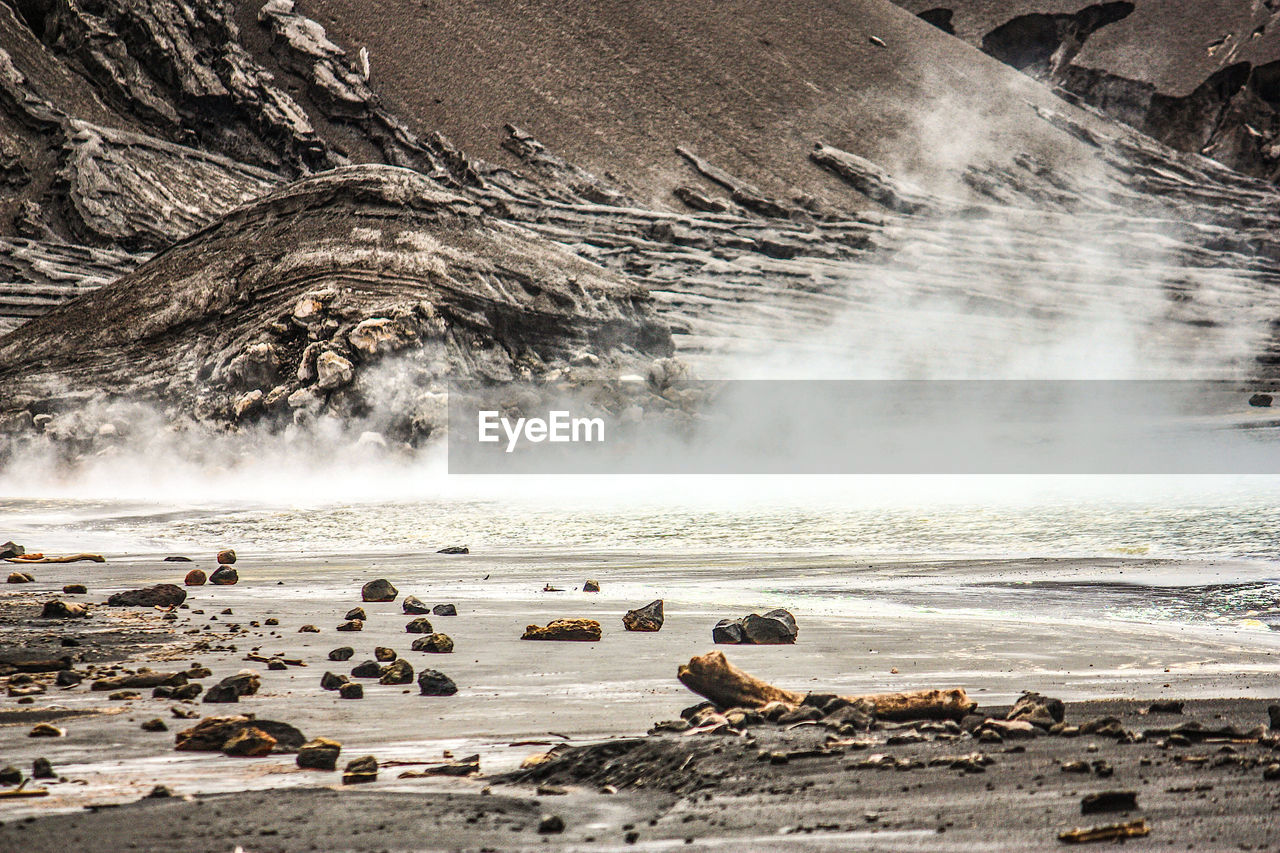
(195, 577)
(580, 630)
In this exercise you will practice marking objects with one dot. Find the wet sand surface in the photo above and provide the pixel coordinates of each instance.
(938, 623)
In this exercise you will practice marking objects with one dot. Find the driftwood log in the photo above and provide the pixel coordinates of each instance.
(69, 558)
(711, 675)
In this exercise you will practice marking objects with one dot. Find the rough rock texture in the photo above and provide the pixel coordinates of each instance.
(647, 618)
(160, 595)
(583, 630)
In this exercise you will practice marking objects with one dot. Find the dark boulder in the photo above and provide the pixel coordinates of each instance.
(579, 630)
(212, 734)
(230, 689)
(412, 604)
(421, 625)
(9, 550)
(356, 613)
(249, 742)
(195, 577)
(342, 653)
(351, 690)
(444, 610)
(363, 769)
(74, 589)
(727, 631)
(226, 557)
(141, 679)
(367, 669)
(1109, 801)
(397, 672)
(379, 590)
(330, 681)
(319, 754)
(42, 769)
(591, 586)
(161, 595)
(432, 682)
(384, 654)
(224, 576)
(1038, 710)
(353, 625)
(647, 618)
(455, 549)
(435, 643)
(776, 627)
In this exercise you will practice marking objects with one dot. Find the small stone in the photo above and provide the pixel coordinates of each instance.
(177, 559)
(342, 653)
(356, 613)
(21, 577)
(226, 557)
(363, 769)
(435, 643)
(1109, 801)
(249, 742)
(271, 621)
(444, 610)
(276, 665)
(550, 824)
(68, 678)
(591, 586)
(353, 625)
(648, 618)
(10, 776)
(579, 630)
(367, 669)
(1038, 710)
(351, 690)
(195, 577)
(187, 691)
(727, 631)
(379, 590)
(224, 576)
(773, 628)
(159, 792)
(412, 604)
(397, 672)
(230, 689)
(124, 695)
(421, 625)
(1166, 707)
(42, 769)
(46, 730)
(384, 654)
(308, 629)
(454, 549)
(155, 725)
(74, 589)
(432, 682)
(319, 754)
(331, 681)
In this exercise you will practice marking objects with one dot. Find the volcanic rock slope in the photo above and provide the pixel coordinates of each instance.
(787, 181)
(1199, 75)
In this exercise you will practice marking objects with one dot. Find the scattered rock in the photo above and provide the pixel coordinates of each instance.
(159, 792)
(444, 610)
(462, 767)
(331, 681)
(64, 610)
(161, 595)
(1166, 707)
(727, 631)
(397, 672)
(10, 776)
(412, 604)
(435, 643)
(224, 576)
(1038, 710)
(244, 683)
(319, 754)
(9, 550)
(124, 696)
(177, 559)
(356, 613)
(250, 742)
(21, 577)
(42, 769)
(226, 557)
(155, 725)
(384, 654)
(582, 630)
(776, 627)
(353, 625)
(308, 629)
(351, 690)
(367, 669)
(1261, 401)
(271, 621)
(1273, 714)
(363, 769)
(455, 549)
(421, 625)
(591, 586)
(212, 733)
(379, 590)
(141, 679)
(550, 824)
(68, 678)
(1271, 773)
(75, 589)
(195, 577)
(432, 682)
(647, 618)
(1007, 729)
(46, 730)
(342, 653)
(1109, 801)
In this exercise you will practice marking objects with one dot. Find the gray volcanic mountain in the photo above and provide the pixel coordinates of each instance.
(532, 190)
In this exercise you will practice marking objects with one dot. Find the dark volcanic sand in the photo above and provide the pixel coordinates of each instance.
(707, 792)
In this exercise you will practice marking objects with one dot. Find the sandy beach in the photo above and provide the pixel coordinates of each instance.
(865, 626)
